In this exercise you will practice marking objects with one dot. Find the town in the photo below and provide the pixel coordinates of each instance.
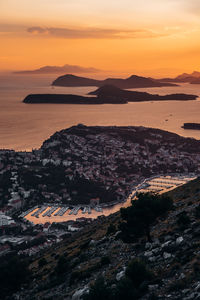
(79, 172)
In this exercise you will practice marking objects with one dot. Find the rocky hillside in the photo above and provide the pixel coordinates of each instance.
(68, 271)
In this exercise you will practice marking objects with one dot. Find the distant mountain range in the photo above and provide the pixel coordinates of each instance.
(59, 69)
(193, 78)
(133, 81)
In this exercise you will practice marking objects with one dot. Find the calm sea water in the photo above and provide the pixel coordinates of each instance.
(26, 126)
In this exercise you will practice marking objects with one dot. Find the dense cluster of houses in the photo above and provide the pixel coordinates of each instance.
(103, 157)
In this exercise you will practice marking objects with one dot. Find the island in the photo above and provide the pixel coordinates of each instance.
(133, 81)
(193, 78)
(58, 70)
(69, 99)
(195, 126)
(112, 92)
(105, 95)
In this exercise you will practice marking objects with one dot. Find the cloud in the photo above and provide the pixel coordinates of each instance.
(95, 33)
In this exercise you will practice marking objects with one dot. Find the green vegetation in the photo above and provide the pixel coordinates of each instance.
(140, 216)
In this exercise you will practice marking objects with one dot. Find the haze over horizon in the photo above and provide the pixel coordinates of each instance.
(154, 38)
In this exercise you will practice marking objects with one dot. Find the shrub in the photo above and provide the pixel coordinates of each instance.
(111, 229)
(105, 260)
(62, 265)
(183, 220)
(137, 272)
(197, 211)
(125, 290)
(99, 291)
(42, 262)
(139, 217)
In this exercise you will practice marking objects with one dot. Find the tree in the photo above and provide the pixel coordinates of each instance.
(139, 217)
(62, 266)
(125, 290)
(99, 291)
(111, 229)
(42, 262)
(138, 272)
(183, 220)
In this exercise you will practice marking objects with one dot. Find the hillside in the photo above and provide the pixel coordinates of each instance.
(173, 257)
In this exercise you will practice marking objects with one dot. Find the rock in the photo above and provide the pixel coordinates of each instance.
(79, 293)
(120, 275)
(156, 243)
(167, 238)
(182, 276)
(179, 240)
(153, 288)
(117, 234)
(148, 253)
(197, 288)
(156, 251)
(166, 244)
(103, 240)
(185, 291)
(148, 246)
(170, 248)
(167, 255)
(152, 259)
(92, 243)
(189, 230)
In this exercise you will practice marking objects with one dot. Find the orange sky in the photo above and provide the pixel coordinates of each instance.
(154, 37)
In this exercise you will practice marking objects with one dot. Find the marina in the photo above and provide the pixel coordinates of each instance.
(62, 213)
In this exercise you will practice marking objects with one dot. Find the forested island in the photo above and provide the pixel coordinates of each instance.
(105, 95)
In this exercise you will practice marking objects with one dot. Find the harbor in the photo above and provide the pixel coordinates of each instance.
(62, 213)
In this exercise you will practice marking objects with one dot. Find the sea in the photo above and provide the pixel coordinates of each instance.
(24, 127)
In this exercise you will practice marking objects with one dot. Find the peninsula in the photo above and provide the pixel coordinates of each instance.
(105, 95)
(133, 81)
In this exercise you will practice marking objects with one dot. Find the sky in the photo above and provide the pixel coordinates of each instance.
(147, 37)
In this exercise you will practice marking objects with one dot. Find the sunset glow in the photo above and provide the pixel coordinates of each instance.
(146, 37)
